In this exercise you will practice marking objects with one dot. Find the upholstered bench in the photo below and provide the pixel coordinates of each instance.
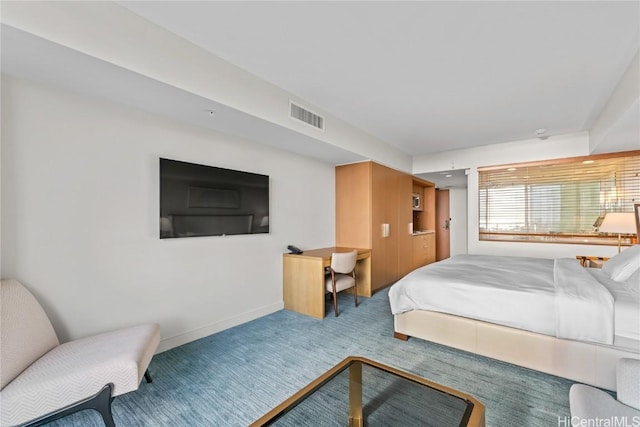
(41, 379)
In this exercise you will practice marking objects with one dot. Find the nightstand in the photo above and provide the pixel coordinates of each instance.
(591, 261)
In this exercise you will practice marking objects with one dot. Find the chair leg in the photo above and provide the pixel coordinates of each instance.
(147, 376)
(355, 294)
(335, 295)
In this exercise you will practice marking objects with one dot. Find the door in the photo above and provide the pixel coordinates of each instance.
(443, 221)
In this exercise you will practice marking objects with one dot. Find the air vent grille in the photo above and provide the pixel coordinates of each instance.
(299, 113)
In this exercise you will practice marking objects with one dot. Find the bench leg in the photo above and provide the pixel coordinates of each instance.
(101, 402)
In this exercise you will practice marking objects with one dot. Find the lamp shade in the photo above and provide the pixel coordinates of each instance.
(618, 222)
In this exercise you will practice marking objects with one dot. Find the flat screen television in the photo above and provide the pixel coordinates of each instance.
(199, 200)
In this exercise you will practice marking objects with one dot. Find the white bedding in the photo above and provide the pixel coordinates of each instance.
(512, 291)
(627, 306)
(584, 307)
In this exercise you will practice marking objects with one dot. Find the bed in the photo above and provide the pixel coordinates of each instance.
(550, 315)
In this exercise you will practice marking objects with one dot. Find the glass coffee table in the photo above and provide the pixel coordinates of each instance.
(359, 392)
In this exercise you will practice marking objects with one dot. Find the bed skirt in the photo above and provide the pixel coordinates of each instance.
(589, 363)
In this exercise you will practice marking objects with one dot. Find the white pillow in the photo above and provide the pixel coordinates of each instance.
(623, 265)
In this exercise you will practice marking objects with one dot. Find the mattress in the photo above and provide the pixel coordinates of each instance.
(511, 291)
(552, 297)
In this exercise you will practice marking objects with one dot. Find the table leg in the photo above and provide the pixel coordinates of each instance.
(355, 395)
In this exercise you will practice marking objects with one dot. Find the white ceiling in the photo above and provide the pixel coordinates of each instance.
(454, 178)
(425, 76)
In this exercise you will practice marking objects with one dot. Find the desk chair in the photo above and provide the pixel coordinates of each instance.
(342, 275)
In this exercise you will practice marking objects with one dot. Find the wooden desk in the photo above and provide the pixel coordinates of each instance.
(303, 278)
(591, 261)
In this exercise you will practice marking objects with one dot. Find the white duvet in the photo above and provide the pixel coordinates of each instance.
(553, 297)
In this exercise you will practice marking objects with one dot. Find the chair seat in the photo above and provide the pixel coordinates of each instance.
(342, 282)
(78, 369)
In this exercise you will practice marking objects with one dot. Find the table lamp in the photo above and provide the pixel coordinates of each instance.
(618, 222)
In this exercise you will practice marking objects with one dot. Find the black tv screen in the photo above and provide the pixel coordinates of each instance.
(199, 200)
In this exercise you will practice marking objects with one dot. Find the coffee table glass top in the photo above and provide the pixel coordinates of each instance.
(359, 392)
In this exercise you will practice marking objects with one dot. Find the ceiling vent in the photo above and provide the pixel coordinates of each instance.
(299, 113)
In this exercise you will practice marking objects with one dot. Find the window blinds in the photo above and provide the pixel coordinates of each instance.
(558, 200)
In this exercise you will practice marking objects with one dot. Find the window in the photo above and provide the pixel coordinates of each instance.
(557, 201)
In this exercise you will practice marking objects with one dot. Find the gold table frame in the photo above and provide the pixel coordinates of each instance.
(475, 417)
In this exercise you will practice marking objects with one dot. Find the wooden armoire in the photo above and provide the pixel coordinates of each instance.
(374, 211)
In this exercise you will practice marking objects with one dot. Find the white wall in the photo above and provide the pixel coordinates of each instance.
(511, 152)
(80, 218)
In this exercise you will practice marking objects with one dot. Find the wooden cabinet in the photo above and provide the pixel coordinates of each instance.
(424, 249)
(405, 218)
(373, 210)
(424, 219)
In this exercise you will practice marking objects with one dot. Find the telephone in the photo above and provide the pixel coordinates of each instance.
(294, 250)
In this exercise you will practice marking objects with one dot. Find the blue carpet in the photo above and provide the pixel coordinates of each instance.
(234, 377)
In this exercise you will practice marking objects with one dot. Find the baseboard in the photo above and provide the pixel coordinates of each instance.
(212, 328)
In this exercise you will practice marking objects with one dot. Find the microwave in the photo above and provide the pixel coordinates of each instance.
(416, 201)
